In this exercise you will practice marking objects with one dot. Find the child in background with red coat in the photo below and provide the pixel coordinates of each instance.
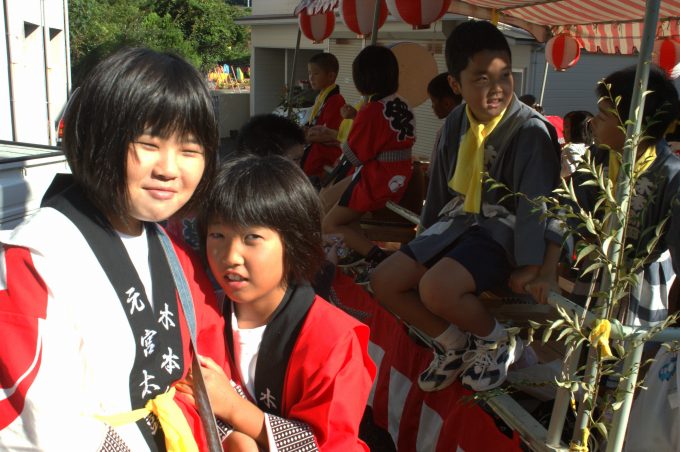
(322, 148)
(379, 148)
(298, 366)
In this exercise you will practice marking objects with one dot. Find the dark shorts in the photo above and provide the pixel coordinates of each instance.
(479, 254)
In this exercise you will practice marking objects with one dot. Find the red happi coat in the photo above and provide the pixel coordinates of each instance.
(319, 155)
(72, 348)
(379, 146)
(326, 384)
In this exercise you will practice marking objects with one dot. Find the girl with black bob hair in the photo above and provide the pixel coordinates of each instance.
(92, 297)
(297, 364)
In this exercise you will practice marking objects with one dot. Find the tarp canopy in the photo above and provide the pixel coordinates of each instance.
(607, 26)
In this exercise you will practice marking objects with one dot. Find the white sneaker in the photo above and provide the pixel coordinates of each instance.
(488, 362)
(445, 367)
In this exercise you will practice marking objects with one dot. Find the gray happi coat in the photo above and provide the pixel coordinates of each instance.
(522, 152)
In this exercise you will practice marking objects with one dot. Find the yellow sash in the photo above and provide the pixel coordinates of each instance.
(178, 435)
(346, 124)
(641, 163)
(318, 103)
(467, 177)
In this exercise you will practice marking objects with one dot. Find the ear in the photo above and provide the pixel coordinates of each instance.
(454, 84)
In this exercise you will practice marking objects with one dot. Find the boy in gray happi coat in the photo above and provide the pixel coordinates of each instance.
(474, 241)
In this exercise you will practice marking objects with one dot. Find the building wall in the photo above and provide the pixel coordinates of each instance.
(38, 64)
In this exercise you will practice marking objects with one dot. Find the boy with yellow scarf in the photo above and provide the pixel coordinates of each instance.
(474, 240)
(324, 120)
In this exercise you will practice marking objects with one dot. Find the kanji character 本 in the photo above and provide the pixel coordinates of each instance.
(136, 304)
(148, 387)
(268, 399)
(400, 117)
(147, 342)
(165, 318)
(170, 361)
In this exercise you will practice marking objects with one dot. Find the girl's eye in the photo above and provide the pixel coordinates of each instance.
(147, 145)
(251, 237)
(215, 235)
(193, 152)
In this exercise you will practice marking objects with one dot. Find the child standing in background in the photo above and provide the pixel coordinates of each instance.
(321, 152)
(300, 364)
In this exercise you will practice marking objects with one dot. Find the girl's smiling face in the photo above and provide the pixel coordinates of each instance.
(606, 127)
(248, 265)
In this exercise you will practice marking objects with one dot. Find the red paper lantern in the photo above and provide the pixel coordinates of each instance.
(358, 15)
(562, 51)
(667, 56)
(317, 27)
(418, 13)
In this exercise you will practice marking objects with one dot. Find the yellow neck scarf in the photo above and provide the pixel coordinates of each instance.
(318, 103)
(346, 124)
(467, 177)
(178, 435)
(642, 162)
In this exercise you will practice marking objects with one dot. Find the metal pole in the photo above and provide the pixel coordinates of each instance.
(292, 74)
(545, 78)
(10, 75)
(631, 367)
(376, 20)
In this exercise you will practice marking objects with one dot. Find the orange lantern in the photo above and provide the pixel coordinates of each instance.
(562, 51)
(317, 27)
(418, 13)
(358, 15)
(667, 56)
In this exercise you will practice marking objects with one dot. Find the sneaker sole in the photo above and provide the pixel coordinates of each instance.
(519, 349)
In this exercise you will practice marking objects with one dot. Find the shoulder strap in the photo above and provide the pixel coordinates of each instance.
(204, 409)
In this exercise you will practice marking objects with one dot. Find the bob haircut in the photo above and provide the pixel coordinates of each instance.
(269, 134)
(579, 126)
(375, 70)
(270, 191)
(327, 62)
(661, 104)
(439, 88)
(470, 38)
(132, 92)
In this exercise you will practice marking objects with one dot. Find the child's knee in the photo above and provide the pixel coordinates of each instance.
(432, 294)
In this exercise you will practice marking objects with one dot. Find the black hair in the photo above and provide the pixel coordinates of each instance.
(469, 38)
(132, 92)
(528, 99)
(661, 104)
(375, 70)
(326, 61)
(579, 127)
(439, 88)
(270, 191)
(269, 134)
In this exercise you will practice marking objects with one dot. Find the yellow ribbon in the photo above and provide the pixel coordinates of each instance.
(467, 177)
(641, 163)
(178, 434)
(599, 336)
(583, 447)
(320, 99)
(346, 124)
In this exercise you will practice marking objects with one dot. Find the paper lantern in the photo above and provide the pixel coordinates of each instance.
(667, 56)
(418, 13)
(317, 27)
(562, 51)
(358, 15)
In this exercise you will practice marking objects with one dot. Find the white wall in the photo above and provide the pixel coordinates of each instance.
(39, 72)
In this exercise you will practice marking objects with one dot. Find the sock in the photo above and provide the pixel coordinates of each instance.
(376, 255)
(496, 335)
(452, 338)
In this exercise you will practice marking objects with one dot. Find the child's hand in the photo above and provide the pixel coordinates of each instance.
(220, 390)
(521, 277)
(330, 243)
(540, 287)
(322, 134)
(348, 112)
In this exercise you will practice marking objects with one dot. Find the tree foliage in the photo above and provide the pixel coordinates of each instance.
(202, 31)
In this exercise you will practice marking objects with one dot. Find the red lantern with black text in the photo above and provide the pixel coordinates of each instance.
(418, 13)
(667, 56)
(562, 51)
(358, 15)
(317, 27)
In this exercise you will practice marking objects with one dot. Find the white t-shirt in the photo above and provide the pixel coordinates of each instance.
(248, 341)
(137, 247)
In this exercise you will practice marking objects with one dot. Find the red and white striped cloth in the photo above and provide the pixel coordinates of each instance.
(446, 420)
